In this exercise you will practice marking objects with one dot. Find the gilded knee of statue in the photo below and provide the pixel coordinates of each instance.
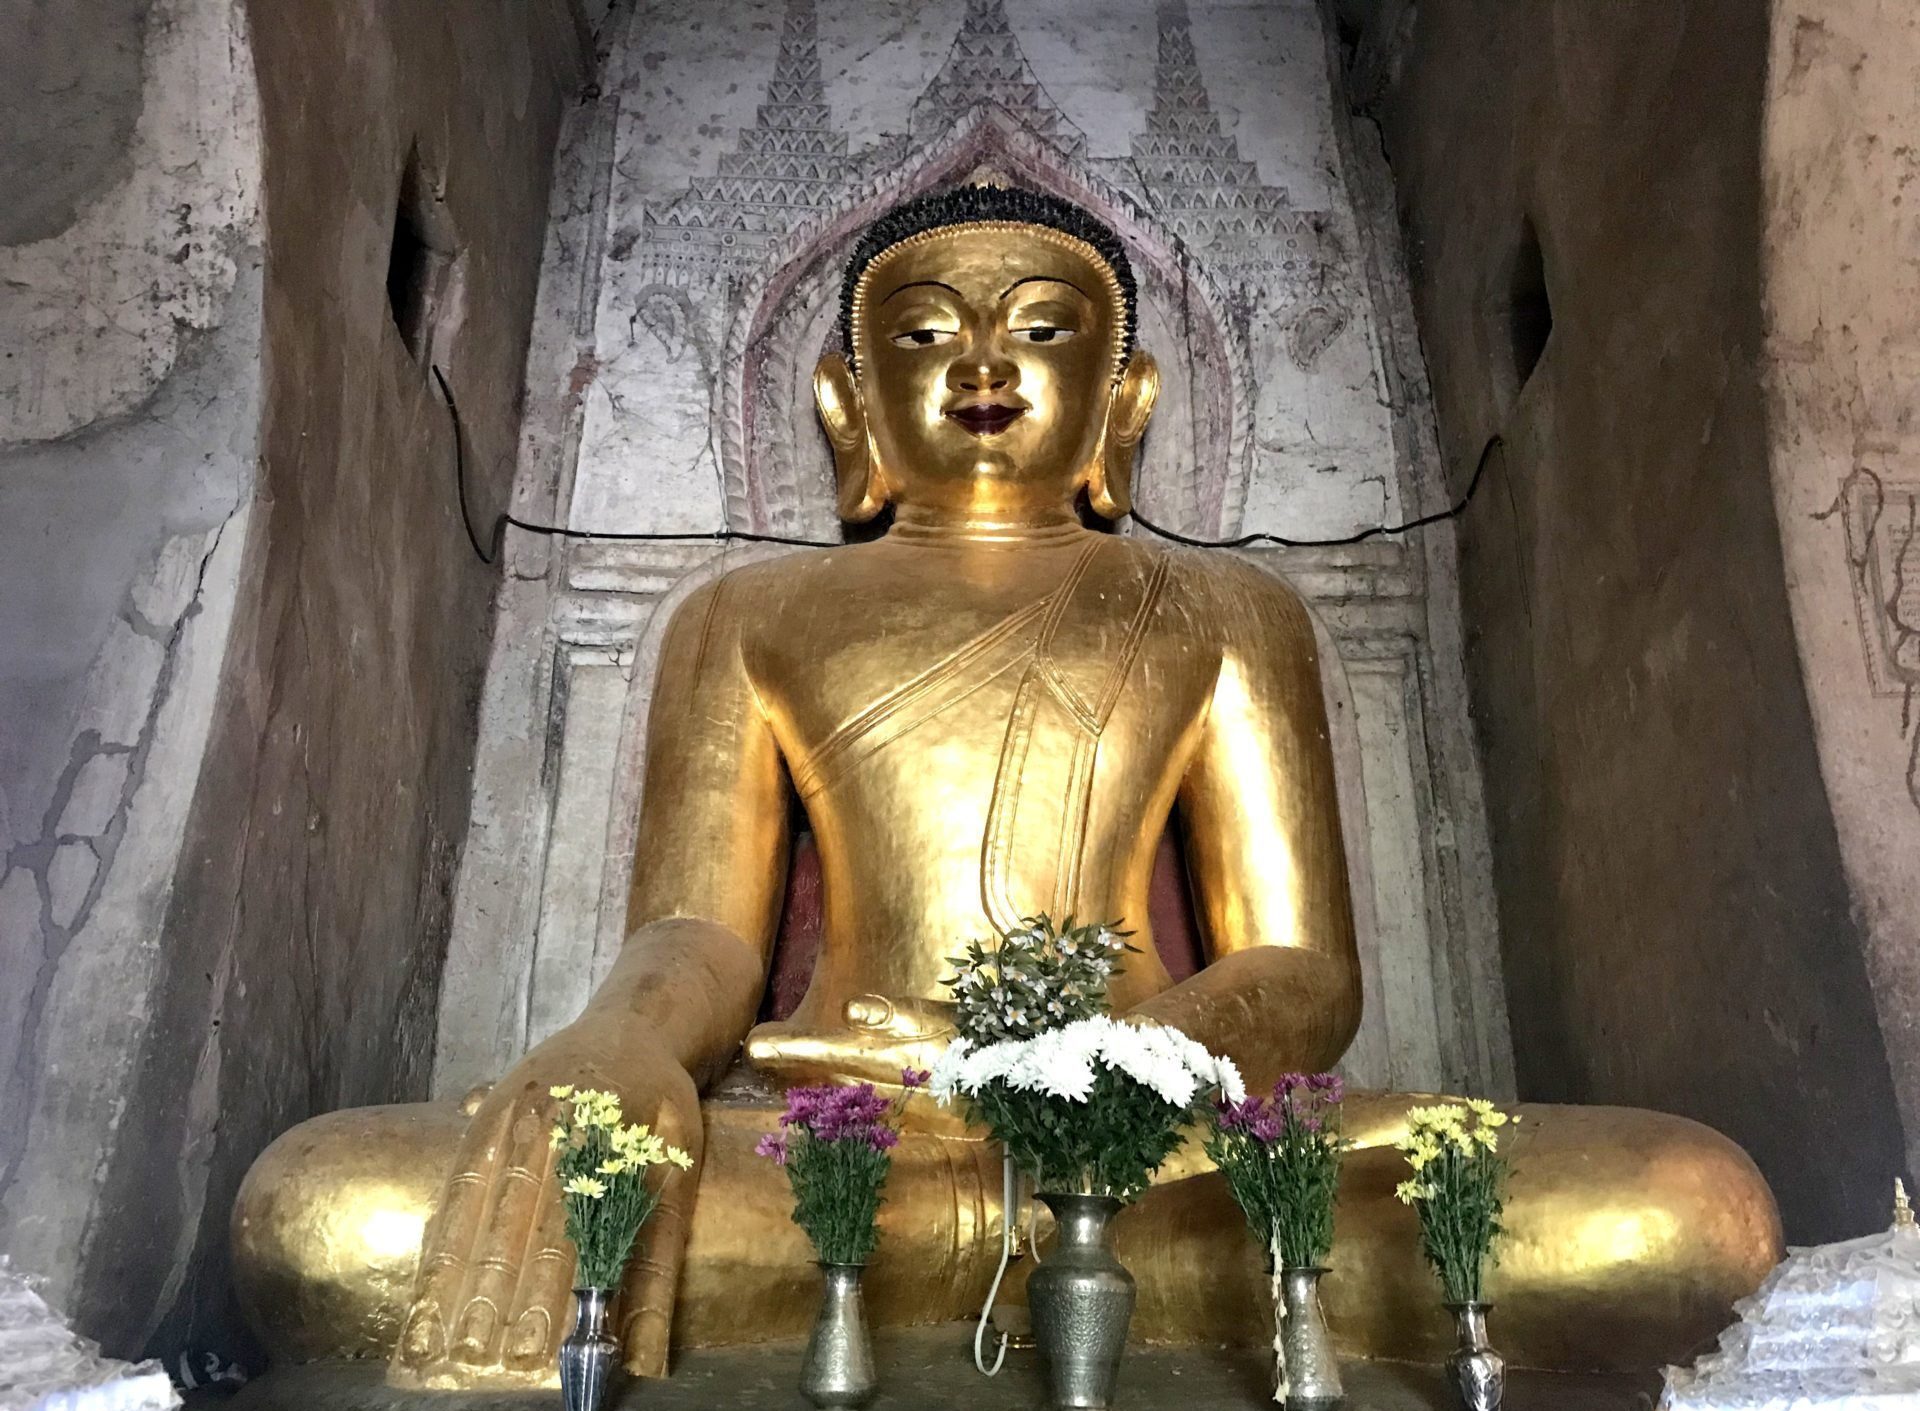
(327, 1228)
(988, 712)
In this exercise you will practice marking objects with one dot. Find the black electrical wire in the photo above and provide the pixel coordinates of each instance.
(489, 552)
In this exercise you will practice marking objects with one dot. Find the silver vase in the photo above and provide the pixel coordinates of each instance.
(1479, 1373)
(587, 1355)
(838, 1370)
(1309, 1372)
(1081, 1298)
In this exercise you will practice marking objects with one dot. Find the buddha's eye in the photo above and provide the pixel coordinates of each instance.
(1045, 333)
(922, 337)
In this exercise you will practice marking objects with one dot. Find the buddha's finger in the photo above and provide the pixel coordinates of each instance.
(507, 1228)
(538, 1319)
(655, 1275)
(441, 1286)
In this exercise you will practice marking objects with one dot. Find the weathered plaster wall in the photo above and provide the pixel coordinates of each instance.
(705, 204)
(130, 338)
(1841, 283)
(1676, 921)
(304, 932)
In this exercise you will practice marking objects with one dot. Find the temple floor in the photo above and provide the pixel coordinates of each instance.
(931, 1370)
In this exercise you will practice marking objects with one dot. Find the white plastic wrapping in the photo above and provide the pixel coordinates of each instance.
(1835, 1328)
(45, 1366)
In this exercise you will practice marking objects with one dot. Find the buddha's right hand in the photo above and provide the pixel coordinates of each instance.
(492, 1301)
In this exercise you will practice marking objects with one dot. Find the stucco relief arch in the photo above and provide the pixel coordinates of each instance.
(776, 469)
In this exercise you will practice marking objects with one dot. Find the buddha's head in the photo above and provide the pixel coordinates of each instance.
(988, 373)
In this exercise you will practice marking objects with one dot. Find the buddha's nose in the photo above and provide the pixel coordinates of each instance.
(982, 374)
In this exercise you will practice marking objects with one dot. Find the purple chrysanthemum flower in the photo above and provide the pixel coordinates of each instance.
(774, 1146)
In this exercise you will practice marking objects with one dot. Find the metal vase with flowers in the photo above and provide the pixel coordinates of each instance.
(1087, 1106)
(602, 1166)
(1457, 1184)
(835, 1143)
(1281, 1158)
(1081, 1298)
(1479, 1373)
(588, 1354)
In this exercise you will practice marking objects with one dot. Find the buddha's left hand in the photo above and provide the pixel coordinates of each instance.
(877, 1038)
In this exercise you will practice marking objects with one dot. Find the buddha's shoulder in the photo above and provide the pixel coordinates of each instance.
(1238, 597)
(749, 591)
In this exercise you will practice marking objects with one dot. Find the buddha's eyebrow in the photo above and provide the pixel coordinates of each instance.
(1045, 279)
(926, 284)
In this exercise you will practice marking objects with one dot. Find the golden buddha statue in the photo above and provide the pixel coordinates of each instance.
(990, 711)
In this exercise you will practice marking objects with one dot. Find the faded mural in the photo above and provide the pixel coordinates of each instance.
(709, 196)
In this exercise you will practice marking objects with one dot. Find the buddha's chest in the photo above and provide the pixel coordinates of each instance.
(939, 693)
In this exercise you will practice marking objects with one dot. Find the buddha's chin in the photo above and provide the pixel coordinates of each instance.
(1011, 469)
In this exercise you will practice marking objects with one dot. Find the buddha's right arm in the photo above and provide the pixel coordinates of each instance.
(709, 871)
(709, 867)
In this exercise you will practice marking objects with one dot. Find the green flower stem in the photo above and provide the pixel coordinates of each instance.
(836, 1194)
(603, 1228)
(1109, 1145)
(1460, 1220)
(1285, 1189)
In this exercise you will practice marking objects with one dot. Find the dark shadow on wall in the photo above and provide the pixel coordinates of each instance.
(1580, 190)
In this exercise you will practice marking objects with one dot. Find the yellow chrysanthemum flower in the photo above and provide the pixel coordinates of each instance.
(1487, 1138)
(1479, 1106)
(587, 1186)
(594, 1108)
(562, 1090)
(1497, 1119)
(615, 1167)
(679, 1158)
(1407, 1192)
(557, 1138)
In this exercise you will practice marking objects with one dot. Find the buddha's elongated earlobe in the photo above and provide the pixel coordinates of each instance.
(862, 490)
(1110, 483)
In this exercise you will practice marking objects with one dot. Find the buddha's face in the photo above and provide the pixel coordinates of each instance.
(986, 358)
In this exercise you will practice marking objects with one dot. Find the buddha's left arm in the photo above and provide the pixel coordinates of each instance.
(1281, 989)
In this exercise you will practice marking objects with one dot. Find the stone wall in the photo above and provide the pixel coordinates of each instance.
(292, 950)
(1581, 188)
(705, 205)
(1841, 288)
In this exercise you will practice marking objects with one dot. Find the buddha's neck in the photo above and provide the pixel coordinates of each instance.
(1039, 524)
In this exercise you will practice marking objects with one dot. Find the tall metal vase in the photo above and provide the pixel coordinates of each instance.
(1081, 1298)
(1309, 1373)
(838, 1370)
(1479, 1373)
(587, 1355)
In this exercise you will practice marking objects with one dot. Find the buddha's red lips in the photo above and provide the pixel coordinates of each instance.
(987, 418)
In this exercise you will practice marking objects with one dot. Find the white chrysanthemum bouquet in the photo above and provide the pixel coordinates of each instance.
(602, 1166)
(1084, 1103)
